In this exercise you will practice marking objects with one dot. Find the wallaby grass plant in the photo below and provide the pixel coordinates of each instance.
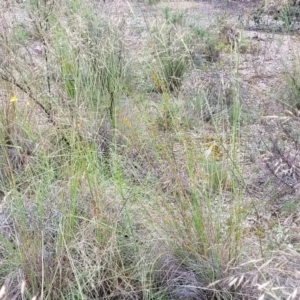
(170, 57)
(114, 196)
(291, 91)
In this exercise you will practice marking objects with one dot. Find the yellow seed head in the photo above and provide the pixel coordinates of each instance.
(13, 99)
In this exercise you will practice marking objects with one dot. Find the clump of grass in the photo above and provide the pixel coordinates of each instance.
(170, 58)
(16, 143)
(291, 95)
(209, 43)
(42, 239)
(173, 17)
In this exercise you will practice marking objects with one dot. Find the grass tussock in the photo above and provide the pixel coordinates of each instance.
(119, 179)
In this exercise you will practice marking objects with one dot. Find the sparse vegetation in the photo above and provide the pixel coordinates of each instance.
(122, 162)
(277, 15)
